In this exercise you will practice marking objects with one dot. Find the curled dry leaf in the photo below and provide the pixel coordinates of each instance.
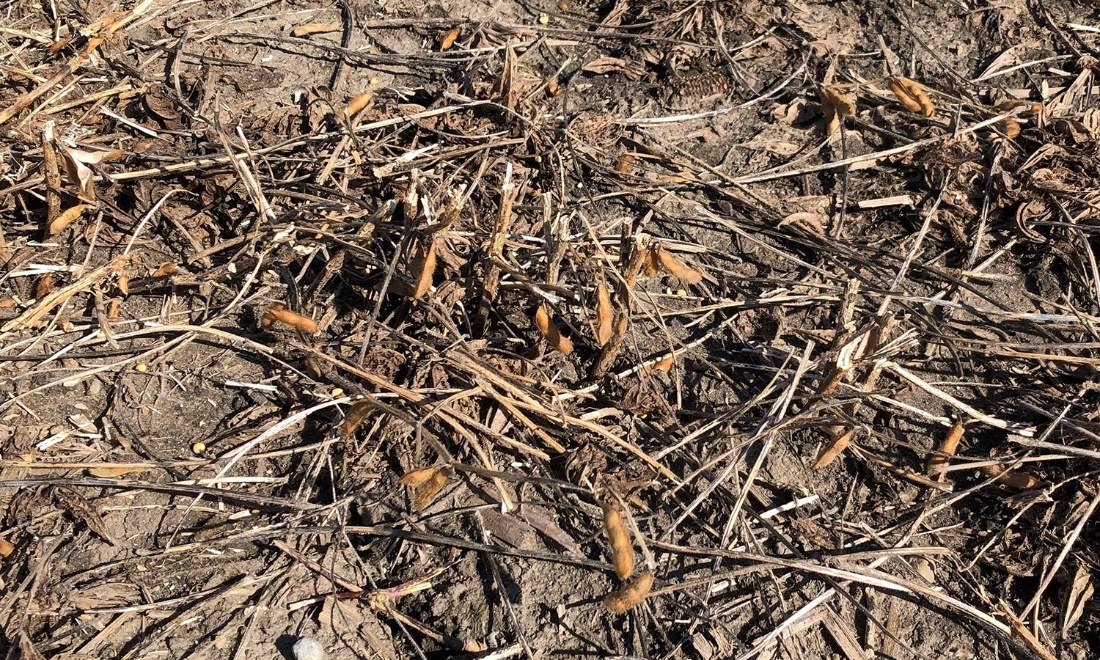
(622, 551)
(6, 548)
(947, 448)
(829, 454)
(425, 268)
(448, 39)
(77, 168)
(66, 218)
(912, 95)
(356, 105)
(549, 331)
(604, 313)
(159, 107)
(314, 28)
(630, 595)
(278, 313)
(357, 414)
(677, 268)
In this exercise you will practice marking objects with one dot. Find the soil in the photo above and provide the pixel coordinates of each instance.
(280, 374)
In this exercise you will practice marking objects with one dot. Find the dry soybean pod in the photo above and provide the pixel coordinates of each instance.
(622, 551)
(678, 268)
(314, 28)
(604, 313)
(550, 332)
(279, 313)
(630, 594)
(947, 448)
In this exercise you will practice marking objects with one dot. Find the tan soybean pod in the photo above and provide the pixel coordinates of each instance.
(678, 268)
(622, 551)
(947, 448)
(604, 314)
(911, 94)
(279, 313)
(426, 264)
(550, 332)
(449, 38)
(314, 28)
(630, 594)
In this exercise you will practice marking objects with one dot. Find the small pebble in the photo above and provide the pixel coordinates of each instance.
(308, 649)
